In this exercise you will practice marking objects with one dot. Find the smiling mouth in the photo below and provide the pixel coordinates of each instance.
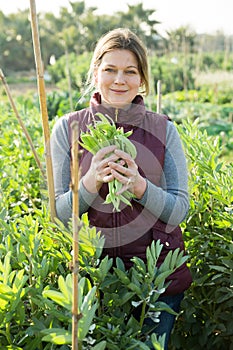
(118, 91)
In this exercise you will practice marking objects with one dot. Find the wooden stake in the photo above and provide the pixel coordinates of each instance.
(6, 87)
(69, 77)
(75, 182)
(159, 96)
(43, 107)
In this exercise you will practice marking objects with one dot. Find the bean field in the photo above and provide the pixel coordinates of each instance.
(36, 253)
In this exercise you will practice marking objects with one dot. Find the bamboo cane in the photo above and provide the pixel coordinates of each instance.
(69, 78)
(43, 107)
(6, 87)
(159, 96)
(75, 181)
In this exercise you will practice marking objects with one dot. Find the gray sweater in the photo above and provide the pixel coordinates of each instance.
(169, 203)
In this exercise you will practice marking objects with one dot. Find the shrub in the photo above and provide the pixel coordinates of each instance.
(35, 256)
(206, 319)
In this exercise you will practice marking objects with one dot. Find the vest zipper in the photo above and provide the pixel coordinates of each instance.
(116, 114)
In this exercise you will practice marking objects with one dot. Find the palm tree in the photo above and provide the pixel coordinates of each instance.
(142, 22)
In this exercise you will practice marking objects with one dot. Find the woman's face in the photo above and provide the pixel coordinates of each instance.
(117, 78)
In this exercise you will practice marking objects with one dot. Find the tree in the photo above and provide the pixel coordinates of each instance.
(141, 21)
(16, 42)
(181, 39)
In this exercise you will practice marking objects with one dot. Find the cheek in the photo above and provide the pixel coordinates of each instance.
(137, 82)
(103, 80)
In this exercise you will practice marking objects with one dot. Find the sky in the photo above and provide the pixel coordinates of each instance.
(203, 16)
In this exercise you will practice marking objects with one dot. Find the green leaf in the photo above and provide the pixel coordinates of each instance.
(57, 336)
(139, 265)
(104, 267)
(19, 280)
(6, 268)
(65, 287)
(87, 310)
(100, 346)
(5, 290)
(120, 265)
(159, 342)
(135, 288)
(122, 276)
(126, 297)
(160, 279)
(174, 259)
(218, 268)
(161, 306)
(58, 297)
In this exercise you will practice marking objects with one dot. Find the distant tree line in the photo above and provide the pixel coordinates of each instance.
(77, 30)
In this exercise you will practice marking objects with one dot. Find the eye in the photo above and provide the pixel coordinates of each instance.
(110, 70)
(130, 71)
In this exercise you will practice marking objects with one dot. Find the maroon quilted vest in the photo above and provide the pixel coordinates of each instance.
(129, 232)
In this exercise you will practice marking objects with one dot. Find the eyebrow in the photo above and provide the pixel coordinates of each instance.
(113, 65)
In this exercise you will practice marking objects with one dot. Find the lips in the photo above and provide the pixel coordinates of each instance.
(118, 91)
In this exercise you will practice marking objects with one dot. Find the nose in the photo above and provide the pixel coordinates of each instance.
(119, 79)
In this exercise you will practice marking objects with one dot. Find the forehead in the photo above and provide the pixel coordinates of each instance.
(120, 57)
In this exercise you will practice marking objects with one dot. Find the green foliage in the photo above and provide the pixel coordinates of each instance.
(213, 118)
(78, 68)
(58, 103)
(205, 322)
(16, 42)
(87, 307)
(75, 31)
(119, 293)
(214, 61)
(176, 71)
(35, 254)
(35, 281)
(205, 94)
(32, 252)
(36, 290)
(17, 162)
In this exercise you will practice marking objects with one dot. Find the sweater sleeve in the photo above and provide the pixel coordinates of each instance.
(61, 156)
(170, 202)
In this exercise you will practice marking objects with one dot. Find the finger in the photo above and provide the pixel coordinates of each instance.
(104, 151)
(121, 178)
(122, 154)
(105, 161)
(127, 177)
(119, 168)
(104, 175)
(129, 171)
(126, 158)
(122, 162)
(108, 178)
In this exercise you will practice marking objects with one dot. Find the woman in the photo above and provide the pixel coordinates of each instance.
(157, 177)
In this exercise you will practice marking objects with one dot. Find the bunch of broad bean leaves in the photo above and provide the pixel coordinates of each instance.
(102, 133)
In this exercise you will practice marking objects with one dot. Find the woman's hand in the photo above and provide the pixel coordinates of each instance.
(100, 171)
(126, 171)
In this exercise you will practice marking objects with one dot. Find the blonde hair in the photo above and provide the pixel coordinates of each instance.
(121, 38)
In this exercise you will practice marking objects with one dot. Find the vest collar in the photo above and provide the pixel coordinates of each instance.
(134, 115)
